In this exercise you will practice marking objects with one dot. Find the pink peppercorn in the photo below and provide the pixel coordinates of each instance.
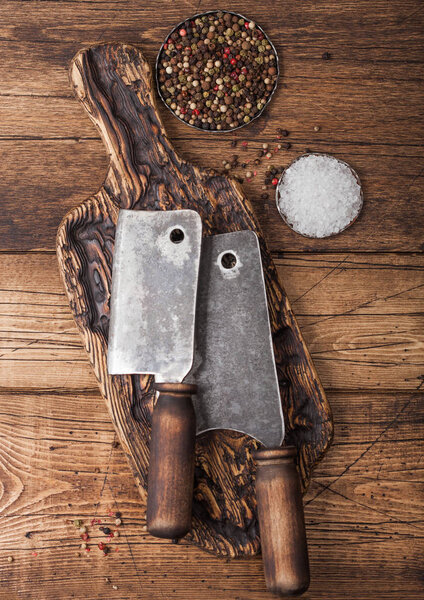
(274, 181)
(183, 32)
(233, 61)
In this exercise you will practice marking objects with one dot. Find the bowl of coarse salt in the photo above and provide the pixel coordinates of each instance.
(319, 196)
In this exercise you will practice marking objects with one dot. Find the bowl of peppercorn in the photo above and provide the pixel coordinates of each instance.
(217, 71)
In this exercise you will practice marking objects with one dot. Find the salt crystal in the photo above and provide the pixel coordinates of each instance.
(319, 195)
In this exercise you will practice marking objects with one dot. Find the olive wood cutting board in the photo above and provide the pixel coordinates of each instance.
(114, 84)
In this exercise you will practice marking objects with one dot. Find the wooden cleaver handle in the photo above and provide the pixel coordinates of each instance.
(281, 521)
(171, 470)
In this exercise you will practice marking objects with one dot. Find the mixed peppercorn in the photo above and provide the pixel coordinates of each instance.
(217, 71)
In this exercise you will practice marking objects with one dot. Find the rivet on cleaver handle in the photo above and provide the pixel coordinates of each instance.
(234, 369)
(153, 304)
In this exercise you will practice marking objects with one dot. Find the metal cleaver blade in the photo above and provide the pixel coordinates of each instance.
(234, 366)
(234, 369)
(154, 286)
(153, 306)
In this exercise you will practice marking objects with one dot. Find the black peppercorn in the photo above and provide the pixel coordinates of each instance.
(207, 69)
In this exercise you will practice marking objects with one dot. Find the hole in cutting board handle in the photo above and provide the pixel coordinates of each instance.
(176, 236)
(228, 260)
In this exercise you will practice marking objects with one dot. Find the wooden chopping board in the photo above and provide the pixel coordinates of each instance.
(114, 84)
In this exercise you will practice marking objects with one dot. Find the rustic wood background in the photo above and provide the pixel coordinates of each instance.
(358, 298)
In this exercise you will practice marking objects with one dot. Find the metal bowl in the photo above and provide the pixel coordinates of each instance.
(283, 216)
(210, 12)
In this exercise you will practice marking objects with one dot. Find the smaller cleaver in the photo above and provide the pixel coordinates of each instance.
(237, 388)
(153, 304)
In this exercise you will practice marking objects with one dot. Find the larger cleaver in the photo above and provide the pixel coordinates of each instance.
(237, 388)
(153, 304)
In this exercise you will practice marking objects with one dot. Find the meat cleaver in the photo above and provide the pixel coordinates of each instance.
(237, 388)
(153, 304)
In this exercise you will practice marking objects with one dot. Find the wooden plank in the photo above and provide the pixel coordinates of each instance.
(394, 25)
(41, 181)
(361, 316)
(58, 463)
(49, 177)
(40, 346)
(350, 64)
(375, 322)
(382, 79)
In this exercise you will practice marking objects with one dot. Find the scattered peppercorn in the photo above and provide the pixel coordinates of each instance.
(317, 128)
(274, 181)
(216, 73)
(233, 143)
(286, 145)
(118, 522)
(28, 534)
(106, 531)
(326, 56)
(77, 523)
(282, 132)
(10, 559)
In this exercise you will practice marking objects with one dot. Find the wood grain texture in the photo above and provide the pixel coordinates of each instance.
(113, 82)
(364, 508)
(171, 462)
(281, 522)
(367, 100)
(359, 311)
(360, 314)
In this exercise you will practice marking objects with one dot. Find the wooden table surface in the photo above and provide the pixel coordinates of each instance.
(358, 298)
